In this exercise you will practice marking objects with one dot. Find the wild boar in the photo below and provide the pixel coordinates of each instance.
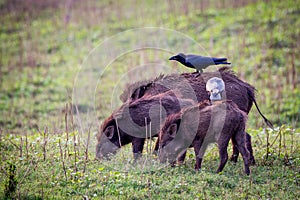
(202, 124)
(192, 85)
(132, 121)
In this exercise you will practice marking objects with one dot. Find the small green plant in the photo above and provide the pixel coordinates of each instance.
(11, 182)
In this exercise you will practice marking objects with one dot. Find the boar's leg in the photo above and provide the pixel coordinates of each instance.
(222, 145)
(199, 148)
(240, 139)
(181, 157)
(249, 148)
(235, 151)
(137, 147)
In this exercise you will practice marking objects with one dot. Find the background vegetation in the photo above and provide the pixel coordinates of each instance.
(43, 44)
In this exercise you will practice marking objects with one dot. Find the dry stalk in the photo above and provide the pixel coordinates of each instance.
(21, 147)
(79, 121)
(119, 136)
(67, 132)
(62, 160)
(292, 142)
(0, 132)
(75, 153)
(45, 141)
(294, 75)
(150, 134)
(86, 152)
(280, 135)
(160, 122)
(284, 143)
(14, 144)
(268, 145)
(146, 138)
(26, 145)
(71, 117)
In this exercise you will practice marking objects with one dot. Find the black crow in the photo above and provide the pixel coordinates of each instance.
(198, 62)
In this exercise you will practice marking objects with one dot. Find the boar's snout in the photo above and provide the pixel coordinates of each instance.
(105, 148)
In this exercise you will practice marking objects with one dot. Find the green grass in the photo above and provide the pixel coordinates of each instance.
(44, 173)
(41, 55)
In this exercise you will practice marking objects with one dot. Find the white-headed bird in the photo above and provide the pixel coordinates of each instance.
(215, 86)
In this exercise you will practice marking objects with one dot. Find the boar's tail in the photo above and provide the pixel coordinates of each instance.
(269, 124)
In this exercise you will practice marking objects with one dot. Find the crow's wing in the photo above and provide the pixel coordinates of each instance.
(199, 62)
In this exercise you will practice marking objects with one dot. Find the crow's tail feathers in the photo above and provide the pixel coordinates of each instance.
(224, 63)
(219, 59)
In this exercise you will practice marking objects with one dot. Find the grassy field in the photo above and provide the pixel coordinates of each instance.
(48, 48)
(50, 166)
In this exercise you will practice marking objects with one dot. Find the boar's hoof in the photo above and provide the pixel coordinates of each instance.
(247, 171)
(197, 169)
(234, 158)
(180, 162)
(173, 164)
(252, 161)
(137, 156)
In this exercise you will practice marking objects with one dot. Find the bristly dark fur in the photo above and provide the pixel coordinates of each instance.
(234, 128)
(242, 93)
(174, 117)
(130, 88)
(146, 83)
(146, 86)
(199, 106)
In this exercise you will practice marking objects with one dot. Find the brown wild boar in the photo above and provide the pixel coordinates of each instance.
(201, 124)
(192, 85)
(131, 122)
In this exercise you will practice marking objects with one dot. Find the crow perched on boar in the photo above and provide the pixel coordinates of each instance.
(202, 124)
(131, 122)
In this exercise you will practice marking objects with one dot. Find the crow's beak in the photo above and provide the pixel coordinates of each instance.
(172, 58)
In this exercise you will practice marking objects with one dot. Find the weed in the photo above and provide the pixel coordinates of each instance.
(11, 181)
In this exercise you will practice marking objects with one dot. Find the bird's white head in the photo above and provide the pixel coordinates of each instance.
(215, 86)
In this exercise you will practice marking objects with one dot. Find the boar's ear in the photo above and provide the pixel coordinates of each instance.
(109, 132)
(140, 92)
(135, 94)
(172, 130)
